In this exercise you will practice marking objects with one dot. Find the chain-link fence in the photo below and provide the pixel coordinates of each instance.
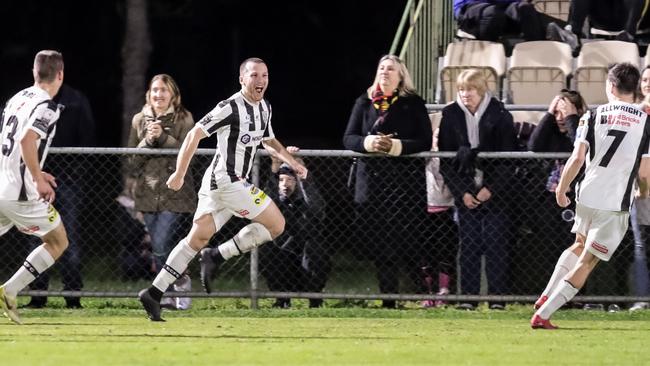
(382, 242)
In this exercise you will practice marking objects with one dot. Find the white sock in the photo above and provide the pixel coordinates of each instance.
(249, 237)
(564, 264)
(228, 249)
(36, 263)
(562, 294)
(176, 264)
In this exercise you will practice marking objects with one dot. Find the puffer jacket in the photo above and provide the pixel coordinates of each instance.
(152, 171)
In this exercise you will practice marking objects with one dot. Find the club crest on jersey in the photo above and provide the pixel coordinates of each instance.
(245, 139)
(265, 116)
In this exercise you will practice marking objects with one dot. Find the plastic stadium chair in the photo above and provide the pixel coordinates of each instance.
(538, 70)
(592, 63)
(490, 57)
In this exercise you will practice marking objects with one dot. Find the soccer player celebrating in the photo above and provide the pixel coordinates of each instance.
(615, 137)
(241, 122)
(27, 127)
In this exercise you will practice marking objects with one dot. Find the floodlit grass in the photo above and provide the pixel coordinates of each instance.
(225, 332)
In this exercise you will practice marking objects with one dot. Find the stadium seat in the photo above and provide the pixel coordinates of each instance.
(555, 8)
(538, 71)
(527, 116)
(592, 63)
(646, 60)
(490, 57)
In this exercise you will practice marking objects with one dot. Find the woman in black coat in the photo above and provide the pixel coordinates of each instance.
(390, 193)
(478, 122)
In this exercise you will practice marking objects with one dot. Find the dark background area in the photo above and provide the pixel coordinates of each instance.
(321, 55)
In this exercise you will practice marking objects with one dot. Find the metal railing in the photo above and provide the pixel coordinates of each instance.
(430, 28)
(343, 260)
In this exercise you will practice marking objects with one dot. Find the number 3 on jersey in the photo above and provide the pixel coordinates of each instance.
(8, 141)
(618, 138)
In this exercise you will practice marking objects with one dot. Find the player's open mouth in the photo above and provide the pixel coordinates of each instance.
(259, 89)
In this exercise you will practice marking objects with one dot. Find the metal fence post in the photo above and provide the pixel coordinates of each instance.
(255, 177)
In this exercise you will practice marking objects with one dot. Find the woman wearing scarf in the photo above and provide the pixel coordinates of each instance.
(163, 123)
(479, 122)
(390, 193)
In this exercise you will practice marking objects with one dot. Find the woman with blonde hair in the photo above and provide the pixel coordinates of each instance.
(390, 194)
(162, 123)
(478, 122)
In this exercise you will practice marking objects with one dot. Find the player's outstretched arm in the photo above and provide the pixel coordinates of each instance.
(569, 173)
(29, 152)
(277, 150)
(187, 150)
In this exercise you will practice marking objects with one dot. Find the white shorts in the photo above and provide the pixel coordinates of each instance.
(31, 217)
(604, 230)
(240, 199)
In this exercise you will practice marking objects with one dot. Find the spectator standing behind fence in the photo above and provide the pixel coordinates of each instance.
(285, 263)
(478, 122)
(556, 132)
(28, 124)
(640, 222)
(441, 245)
(75, 128)
(616, 138)
(390, 193)
(162, 123)
(225, 191)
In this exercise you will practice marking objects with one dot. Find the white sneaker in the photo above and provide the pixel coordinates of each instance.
(8, 305)
(639, 306)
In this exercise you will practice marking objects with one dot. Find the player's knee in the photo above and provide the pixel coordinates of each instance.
(252, 235)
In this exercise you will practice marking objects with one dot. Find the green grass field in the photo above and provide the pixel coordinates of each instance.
(224, 332)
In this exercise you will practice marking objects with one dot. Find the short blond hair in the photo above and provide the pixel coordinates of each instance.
(47, 64)
(472, 79)
(405, 86)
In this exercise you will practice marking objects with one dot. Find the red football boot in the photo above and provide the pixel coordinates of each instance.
(538, 323)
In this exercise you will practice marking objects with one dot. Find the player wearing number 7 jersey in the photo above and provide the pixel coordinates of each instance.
(26, 193)
(613, 141)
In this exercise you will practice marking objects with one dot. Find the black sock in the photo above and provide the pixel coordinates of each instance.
(155, 293)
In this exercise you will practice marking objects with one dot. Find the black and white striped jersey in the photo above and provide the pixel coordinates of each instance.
(240, 127)
(30, 109)
(617, 135)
